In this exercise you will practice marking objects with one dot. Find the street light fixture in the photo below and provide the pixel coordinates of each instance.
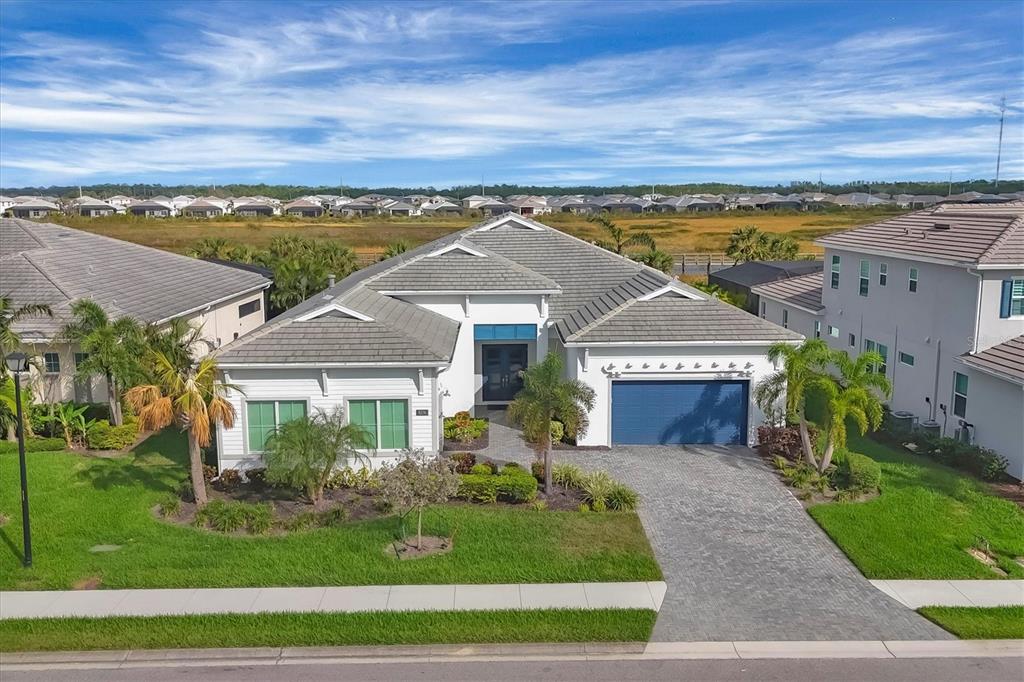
(17, 363)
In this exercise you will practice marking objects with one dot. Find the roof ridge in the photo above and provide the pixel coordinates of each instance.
(1003, 237)
(603, 318)
(516, 265)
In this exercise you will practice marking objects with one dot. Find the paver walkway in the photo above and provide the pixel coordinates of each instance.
(742, 559)
(918, 593)
(101, 603)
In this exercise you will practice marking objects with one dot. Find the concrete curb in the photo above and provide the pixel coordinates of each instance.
(270, 656)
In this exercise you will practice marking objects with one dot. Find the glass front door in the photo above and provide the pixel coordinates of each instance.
(502, 369)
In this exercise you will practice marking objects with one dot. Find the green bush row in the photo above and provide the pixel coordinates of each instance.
(33, 445)
(513, 484)
(228, 517)
(982, 462)
(102, 436)
(859, 472)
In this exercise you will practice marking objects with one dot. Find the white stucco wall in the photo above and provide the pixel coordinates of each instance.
(342, 385)
(462, 383)
(800, 321)
(747, 363)
(222, 324)
(996, 409)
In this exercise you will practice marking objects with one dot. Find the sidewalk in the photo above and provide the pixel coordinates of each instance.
(918, 593)
(101, 603)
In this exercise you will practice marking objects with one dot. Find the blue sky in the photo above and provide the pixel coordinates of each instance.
(547, 92)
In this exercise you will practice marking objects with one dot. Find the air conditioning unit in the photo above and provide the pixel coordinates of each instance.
(902, 421)
(965, 433)
(930, 428)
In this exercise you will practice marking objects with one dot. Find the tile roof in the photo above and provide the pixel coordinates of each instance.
(56, 265)
(752, 273)
(803, 291)
(594, 298)
(963, 234)
(1006, 359)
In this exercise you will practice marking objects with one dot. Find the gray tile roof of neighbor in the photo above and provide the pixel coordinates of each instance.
(803, 291)
(963, 234)
(593, 296)
(1005, 359)
(56, 265)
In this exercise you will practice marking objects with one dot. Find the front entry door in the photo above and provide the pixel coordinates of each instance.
(502, 371)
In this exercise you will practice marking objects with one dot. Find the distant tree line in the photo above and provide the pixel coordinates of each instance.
(286, 192)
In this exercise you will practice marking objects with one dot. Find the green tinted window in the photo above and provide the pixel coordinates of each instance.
(394, 424)
(288, 410)
(364, 413)
(260, 422)
(960, 385)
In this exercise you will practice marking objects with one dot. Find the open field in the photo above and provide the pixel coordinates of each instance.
(675, 233)
(81, 502)
(326, 629)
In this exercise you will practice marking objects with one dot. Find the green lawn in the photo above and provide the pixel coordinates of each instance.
(79, 502)
(326, 629)
(1004, 622)
(925, 518)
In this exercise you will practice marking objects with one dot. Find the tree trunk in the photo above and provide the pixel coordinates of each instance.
(826, 458)
(12, 430)
(419, 529)
(547, 460)
(113, 401)
(195, 456)
(805, 440)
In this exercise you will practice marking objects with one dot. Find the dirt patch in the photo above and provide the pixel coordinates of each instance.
(91, 583)
(1010, 490)
(470, 446)
(431, 545)
(4, 519)
(101, 549)
(987, 559)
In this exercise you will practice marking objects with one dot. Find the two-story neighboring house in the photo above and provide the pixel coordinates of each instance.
(940, 295)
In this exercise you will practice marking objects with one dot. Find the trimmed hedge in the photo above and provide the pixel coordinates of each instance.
(860, 472)
(34, 445)
(103, 436)
(513, 484)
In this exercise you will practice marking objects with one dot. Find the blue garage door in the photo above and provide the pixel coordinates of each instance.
(669, 412)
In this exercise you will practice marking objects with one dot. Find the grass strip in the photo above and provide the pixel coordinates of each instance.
(326, 629)
(975, 622)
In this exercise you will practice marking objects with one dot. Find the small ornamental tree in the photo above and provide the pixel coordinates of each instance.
(414, 483)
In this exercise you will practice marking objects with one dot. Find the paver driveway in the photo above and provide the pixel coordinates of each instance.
(742, 559)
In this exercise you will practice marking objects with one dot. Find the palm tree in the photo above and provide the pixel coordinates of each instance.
(191, 398)
(394, 249)
(112, 348)
(803, 366)
(545, 397)
(9, 315)
(657, 259)
(743, 244)
(856, 393)
(9, 409)
(210, 247)
(176, 340)
(620, 241)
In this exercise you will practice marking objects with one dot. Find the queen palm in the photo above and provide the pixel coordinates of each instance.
(802, 366)
(855, 393)
(545, 397)
(112, 349)
(620, 239)
(11, 314)
(191, 398)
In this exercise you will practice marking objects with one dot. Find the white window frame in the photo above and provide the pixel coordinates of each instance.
(764, 309)
(851, 340)
(817, 329)
(902, 358)
(834, 276)
(956, 394)
(865, 277)
(409, 413)
(277, 415)
(833, 332)
(912, 280)
(46, 363)
(1015, 297)
(785, 318)
(883, 274)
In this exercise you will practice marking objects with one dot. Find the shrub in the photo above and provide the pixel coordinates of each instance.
(209, 473)
(537, 469)
(33, 445)
(859, 472)
(584, 507)
(596, 487)
(299, 522)
(538, 505)
(418, 481)
(481, 469)
(256, 476)
(464, 461)
(557, 434)
(170, 505)
(228, 517)
(783, 441)
(102, 436)
(463, 429)
(260, 518)
(229, 479)
(332, 517)
(566, 475)
(516, 485)
(974, 459)
(622, 498)
(478, 487)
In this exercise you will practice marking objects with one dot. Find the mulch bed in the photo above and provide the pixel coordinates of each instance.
(1010, 490)
(471, 446)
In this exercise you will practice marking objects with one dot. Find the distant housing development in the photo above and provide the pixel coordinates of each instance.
(317, 205)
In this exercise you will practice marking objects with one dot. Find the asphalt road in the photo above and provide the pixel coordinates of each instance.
(861, 670)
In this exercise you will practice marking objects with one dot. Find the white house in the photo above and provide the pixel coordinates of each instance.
(940, 294)
(55, 265)
(451, 325)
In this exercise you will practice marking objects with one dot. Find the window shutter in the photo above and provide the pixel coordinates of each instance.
(1004, 300)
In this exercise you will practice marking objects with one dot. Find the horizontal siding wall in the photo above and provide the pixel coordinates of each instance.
(342, 385)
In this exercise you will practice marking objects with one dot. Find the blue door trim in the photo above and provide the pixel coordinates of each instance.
(676, 411)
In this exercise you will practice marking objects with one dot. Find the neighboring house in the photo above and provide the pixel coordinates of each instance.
(474, 201)
(399, 208)
(740, 279)
(859, 200)
(254, 209)
(493, 207)
(357, 208)
(55, 265)
(202, 208)
(530, 206)
(451, 326)
(151, 209)
(92, 208)
(940, 295)
(303, 208)
(6, 203)
(120, 201)
(793, 303)
(440, 208)
(33, 208)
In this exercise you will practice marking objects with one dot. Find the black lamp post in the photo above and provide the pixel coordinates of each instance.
(18, 363)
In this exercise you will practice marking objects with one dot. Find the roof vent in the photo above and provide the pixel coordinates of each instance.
(941, 226)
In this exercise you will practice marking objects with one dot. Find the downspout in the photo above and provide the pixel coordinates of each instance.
(935, 388)
(436, 433)
(977, 310)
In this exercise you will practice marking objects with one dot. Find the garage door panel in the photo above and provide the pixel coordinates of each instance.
(676, 412)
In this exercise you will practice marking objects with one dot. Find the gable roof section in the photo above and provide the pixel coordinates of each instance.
(802, 292)
(962, 235)
(1005, 359)
(56, 265)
